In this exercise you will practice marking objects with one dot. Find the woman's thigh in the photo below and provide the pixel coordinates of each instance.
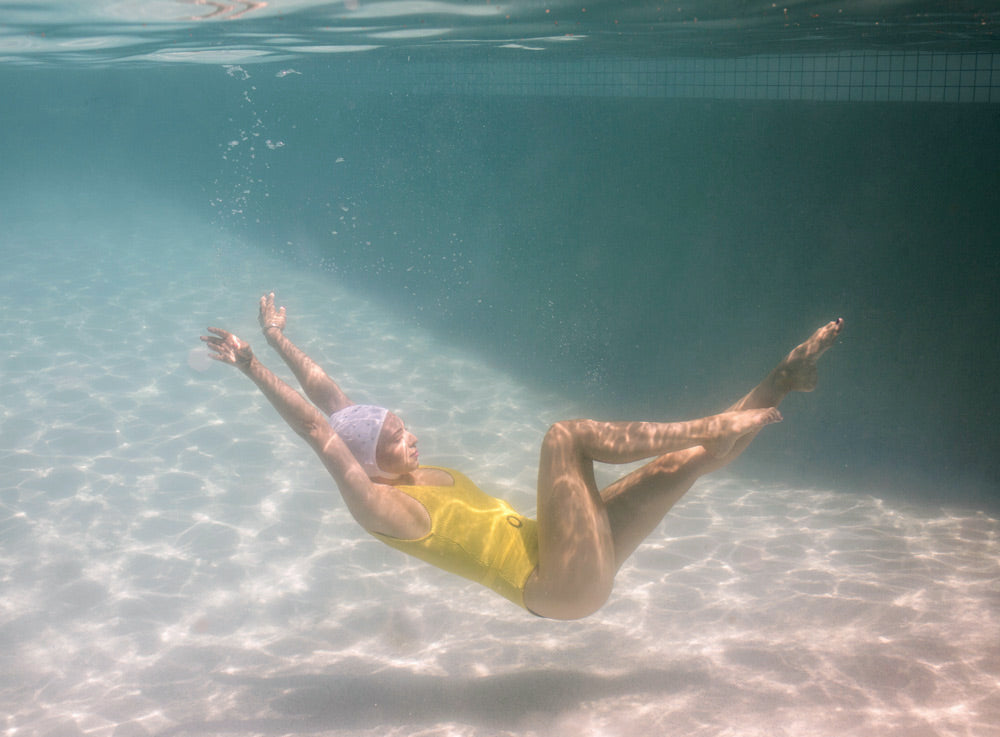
(576, 559)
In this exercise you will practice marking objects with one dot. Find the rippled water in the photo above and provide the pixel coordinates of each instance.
(216, 31)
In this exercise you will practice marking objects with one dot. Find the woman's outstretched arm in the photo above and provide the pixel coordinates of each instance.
(358, 491)
(318, 386)
(292, 406)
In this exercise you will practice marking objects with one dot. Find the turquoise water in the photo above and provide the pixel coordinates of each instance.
(490, 217)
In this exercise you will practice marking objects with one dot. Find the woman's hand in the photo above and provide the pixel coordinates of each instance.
(269, 317)
(228, 348)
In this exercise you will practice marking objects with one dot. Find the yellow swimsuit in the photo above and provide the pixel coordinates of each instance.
(473, 535)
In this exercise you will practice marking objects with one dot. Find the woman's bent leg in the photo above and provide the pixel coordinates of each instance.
(637, 503)
(577, 557)
(585, 534)
(576, 560)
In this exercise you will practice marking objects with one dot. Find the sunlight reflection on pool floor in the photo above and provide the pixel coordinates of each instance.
(174, 560)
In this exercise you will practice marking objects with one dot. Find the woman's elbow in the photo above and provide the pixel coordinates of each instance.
(315, 431)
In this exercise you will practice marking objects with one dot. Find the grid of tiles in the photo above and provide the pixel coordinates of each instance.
(848, 77)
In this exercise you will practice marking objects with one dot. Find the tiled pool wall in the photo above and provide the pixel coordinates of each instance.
(885, 76)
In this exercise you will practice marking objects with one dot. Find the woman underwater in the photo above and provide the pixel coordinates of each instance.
(561, 566)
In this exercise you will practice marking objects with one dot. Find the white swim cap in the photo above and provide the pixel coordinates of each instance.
(359, 426)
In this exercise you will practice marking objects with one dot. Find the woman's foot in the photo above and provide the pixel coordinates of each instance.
(731, 426)
(797, 373)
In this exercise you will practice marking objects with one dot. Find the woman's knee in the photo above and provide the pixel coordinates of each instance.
(560, 437)
(317, 432)
(558, 433)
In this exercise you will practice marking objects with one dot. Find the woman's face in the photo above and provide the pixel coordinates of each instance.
(397, 447)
